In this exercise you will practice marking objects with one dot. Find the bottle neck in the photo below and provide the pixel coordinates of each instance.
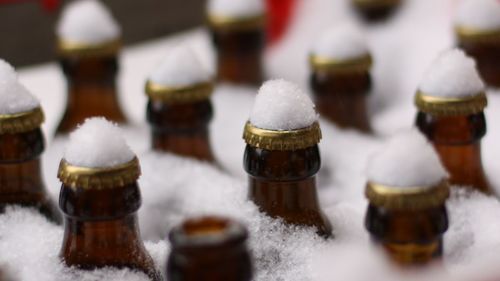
(21, 181)
(457, 140)
(282, 184)
(181, 128)
(341, 97)
(239, 55)
(91, 91)
(101, 229)
(410, 238)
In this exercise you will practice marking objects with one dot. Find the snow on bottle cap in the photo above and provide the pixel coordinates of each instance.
(180, 78)
(283, 118)
(97, 156)
(341, 48)
(407, 174)
(478, 20)
(236, 14)
(19, 110)
(87, 27)
(451, 86)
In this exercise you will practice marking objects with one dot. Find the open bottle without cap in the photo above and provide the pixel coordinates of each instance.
(209, 248)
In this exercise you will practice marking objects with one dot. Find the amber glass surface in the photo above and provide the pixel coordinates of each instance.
(487, 56)
(410, 238)
(91, 91)
(209, 250)
(181, 128)
(101, 229)
(376, 12)
(341, 97)
(239, 55)
(283, 184)
(457, 140)
(21, 180)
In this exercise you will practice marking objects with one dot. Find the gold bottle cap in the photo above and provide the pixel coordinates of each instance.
(474, 35)
(21, 122)
(188, 94)
(99, 178)
(72, 49)
(356, 65)
(282, 140)
(376, 3)
(234, 23)
(407, 198)
(450, 106)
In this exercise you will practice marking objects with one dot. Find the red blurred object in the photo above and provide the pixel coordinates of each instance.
(49, 5)
(280, 14)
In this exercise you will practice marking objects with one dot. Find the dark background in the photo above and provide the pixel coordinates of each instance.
(27, 30)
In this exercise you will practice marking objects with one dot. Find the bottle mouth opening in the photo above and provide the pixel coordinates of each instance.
(207, 231)
(205, 226)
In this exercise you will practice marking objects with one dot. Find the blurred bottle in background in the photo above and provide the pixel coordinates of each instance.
(179, 109)
(238, 33)
(340, 79)
(209, 249)
(376, 10)
(88, 47)
(477, 28)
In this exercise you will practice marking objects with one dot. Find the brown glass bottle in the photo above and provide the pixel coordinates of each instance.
(21, 180)
(408, 224)
(181, 126)
(341, 97)
(486, 51)
(239, 47)
(376, 10)
(91, 84)
(410, 238)
(457, 139)
(209, 249)
(101, 227)
(282, 183)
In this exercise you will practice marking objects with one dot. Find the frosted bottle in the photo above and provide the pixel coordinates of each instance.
(21, 181)
(90, 72)
(282, 168)
(179, 118)
(376, 10)
(455, 126)
(341, 89)
(209, 249)
(100, 212)
(239, 44)
(408, 223)
(484, 47)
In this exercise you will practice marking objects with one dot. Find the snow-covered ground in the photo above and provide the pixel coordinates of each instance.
(174, 188)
